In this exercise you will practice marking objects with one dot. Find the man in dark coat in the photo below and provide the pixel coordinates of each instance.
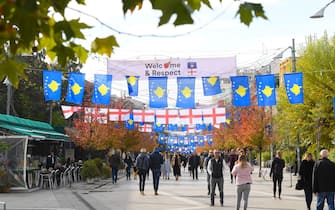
(194, 162)
(276, 172)
(142, 166)
(156, 160)
(323, 181)
(115, 162)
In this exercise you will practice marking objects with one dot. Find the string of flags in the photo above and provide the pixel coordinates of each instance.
(186, 120)
(158, 94)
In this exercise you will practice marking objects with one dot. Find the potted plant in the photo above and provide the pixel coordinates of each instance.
(90, 171)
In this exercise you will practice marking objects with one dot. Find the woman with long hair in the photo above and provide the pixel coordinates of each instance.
(242, 171)
(306, 174)
(176, 163)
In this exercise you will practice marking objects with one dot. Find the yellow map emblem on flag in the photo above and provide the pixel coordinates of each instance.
(187, 92)
(130, 121)
(132, 80)
(103, 89)
(295, 89)
(241, 90)
(267, 91)
(76, 88)
(53, 85)
(212, 80)
(159, 92)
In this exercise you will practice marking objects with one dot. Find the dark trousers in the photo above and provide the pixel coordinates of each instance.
(231, 175)
(156, 173)
(277, 180)
(308, 197)
(209, 183)
(195, 172)
(142, 175)
(114, 174)
(214, 182)
(128, 172)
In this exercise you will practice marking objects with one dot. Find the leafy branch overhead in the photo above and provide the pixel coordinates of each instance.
(26, 25)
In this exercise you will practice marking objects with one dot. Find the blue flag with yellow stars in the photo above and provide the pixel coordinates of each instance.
(294, 88)
(161, 138)
(158, 92)
(75, 88)
(240, 90)
(266, 90)
(211, 86)
(130, 124)
(209, 139)
(132, 83)
(52, 82)
(186, 87)
(201, 140)
(102, 89)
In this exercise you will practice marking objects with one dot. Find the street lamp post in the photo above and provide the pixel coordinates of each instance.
(320, 13)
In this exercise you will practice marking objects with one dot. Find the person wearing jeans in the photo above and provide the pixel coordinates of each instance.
(156, 160)
(115, 161)
(242, 171)
(323, 181)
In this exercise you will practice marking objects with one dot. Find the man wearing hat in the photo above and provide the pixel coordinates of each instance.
(215, 169)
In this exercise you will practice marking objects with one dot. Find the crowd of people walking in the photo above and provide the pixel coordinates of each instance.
(316, 176)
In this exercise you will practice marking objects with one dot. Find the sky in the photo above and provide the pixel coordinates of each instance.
(215, 33)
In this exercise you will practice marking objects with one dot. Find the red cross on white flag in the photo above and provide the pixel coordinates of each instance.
(69, 110)
(119, 114)
(96, 114)
(143, 115)
(190, 116)
(145, 128)
(214, 115)
(167, 116)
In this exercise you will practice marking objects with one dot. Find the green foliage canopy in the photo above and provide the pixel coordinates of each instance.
(32, 24)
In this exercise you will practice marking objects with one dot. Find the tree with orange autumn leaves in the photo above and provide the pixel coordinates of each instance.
(247, 127)
(94, 135)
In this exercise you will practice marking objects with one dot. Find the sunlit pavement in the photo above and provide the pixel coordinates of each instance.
(184, 194)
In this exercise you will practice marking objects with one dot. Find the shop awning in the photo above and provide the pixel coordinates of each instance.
(34, 129)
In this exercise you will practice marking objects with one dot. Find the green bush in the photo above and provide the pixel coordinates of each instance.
(99, 163)
(266, 156)
(90, 170)
(106, 171)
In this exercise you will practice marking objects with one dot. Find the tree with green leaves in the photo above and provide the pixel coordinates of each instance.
(27, 26)
(311, 123)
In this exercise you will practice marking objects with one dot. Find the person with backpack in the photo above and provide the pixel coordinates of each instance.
(142, 166)
(216, 168)
(276, 172)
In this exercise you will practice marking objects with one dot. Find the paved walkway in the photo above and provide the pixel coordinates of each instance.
(185, 194)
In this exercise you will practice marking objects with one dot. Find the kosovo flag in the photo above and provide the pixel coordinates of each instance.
(161, 138)
(130, 125)
(76, 87)
(172, 127)
(52, 82)
(186, 87)
(102, 89)
(266, 90)
(209, 139)
(158, 127)
(240, 90)
(201, 140)
(132, 82)
(211, 86)
(180, 141)
(158, 92)
(294, 88)
(210, 127)
(183, 127)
